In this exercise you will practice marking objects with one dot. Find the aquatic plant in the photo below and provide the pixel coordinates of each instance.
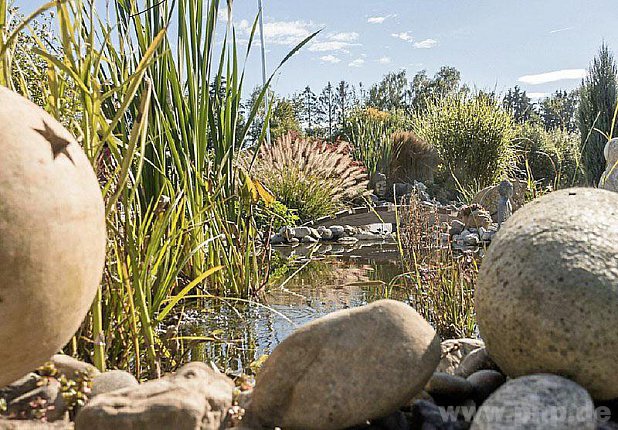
(441, 282)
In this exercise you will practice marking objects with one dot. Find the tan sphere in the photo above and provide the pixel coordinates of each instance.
(52, 236)
(547, 293)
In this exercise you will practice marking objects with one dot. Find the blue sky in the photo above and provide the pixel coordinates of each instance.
(541, 45)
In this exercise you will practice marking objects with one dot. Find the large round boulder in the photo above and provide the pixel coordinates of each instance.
(544, 402)
(547, 291)
(52, 236)
(346, 368)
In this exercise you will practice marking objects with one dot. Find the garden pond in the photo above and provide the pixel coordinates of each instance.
(325, 279)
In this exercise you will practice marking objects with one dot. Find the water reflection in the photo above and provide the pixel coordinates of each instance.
(321, 286)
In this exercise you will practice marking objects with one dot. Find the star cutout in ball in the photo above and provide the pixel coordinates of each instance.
(58, 144)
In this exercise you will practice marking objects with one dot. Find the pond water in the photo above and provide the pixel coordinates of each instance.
(325, 280)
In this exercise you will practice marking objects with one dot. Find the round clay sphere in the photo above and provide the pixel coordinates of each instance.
(52, 236)
(547, 293)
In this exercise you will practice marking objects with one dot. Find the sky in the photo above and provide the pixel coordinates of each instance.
(540, 45)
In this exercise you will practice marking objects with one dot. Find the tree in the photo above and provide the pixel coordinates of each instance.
(390, 93)
(425, 90)
(519, 104)
(328, 106)
(558, 110)
(309, 112)
(596, 111)
(344, 98)
(283, 116)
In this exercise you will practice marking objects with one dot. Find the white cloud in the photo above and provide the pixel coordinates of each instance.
(330, 59)
(536, 96)
(384, 60)
(404, 35)
(344, 37)
(426, 44)
(331, 45)
(560, 30)
(288, 33)
(357, 63)
(558, 75)
(379, 19)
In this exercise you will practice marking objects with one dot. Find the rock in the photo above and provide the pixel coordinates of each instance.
(52, 225)
(46, 397)
(471, 240)
(487, 236)
(347, 240)
(315, 234)
(490, 196)
(457, 227)
(20, 387)
(326, 234)
(287, 233)
(390, 353)
(277, 239)
(537, 402)
(449, 390)
(366, 235)
(474, 216)
(111, 381)
(477, 360)
(6, 424)
(484, 383)
(196, 397)
(301, 232)
(427, 415)
(609, 178)
(395, 421)
(294, 241)
(350, 230)
(546, 297)
(454, 350)
(337, 230)
(309, 239)
(71, 367)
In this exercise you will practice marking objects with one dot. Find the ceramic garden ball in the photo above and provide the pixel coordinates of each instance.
(52, 236)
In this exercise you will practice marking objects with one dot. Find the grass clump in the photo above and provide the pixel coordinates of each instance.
(312, 176)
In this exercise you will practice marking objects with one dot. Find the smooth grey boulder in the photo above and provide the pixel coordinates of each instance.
(337, 231)
(449, 390)
(543, 401)
(346, 368)
(484, 383)
(477, 360)
(111, 381)
(547, 290)
(196, 397)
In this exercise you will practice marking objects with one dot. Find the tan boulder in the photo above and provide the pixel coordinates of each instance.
(345, 368)
(52, 236)
(488, 197)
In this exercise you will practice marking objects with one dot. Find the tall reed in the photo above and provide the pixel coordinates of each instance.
(158, 113)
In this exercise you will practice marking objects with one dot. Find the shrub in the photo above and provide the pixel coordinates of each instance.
(370, 133)
(552, 156)
(312, 176)
(413, 158)
(473, 136)
(596, 112)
